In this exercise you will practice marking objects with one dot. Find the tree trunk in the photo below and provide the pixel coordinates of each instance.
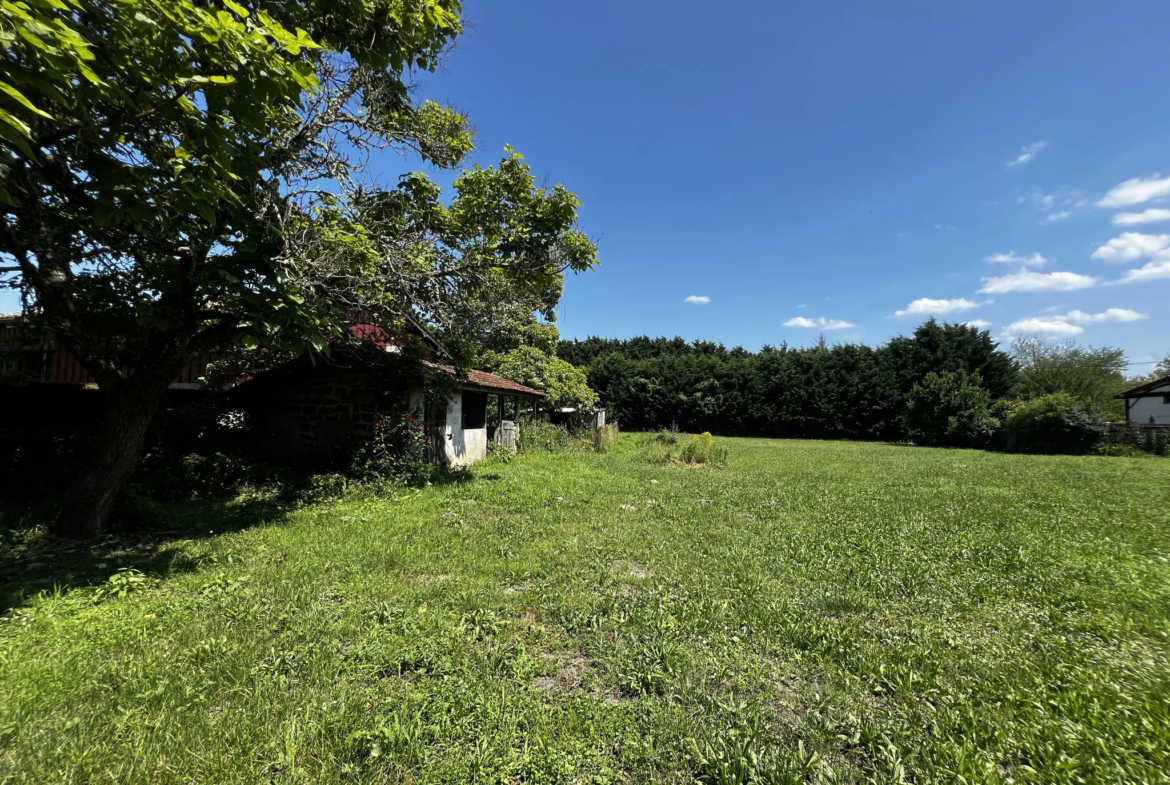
(126, 415)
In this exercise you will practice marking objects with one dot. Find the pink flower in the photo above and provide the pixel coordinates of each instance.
(408, 418)
(381, 422)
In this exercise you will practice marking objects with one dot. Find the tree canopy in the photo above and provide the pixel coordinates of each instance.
(178, 177)
(565, 384)
(1090, 375)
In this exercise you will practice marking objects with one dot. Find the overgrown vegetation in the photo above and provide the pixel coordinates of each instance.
(1057, 423)
(815, 612)
(669, 447)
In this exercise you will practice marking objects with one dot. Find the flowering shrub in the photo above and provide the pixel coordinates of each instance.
(397, 451)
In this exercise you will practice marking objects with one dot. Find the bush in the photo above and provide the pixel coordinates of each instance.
(397, 452)
(543, 437)
(702, 449)
(1054, 424)
(950, 410)
(1155, 443)
(699, 451)
(216, 475)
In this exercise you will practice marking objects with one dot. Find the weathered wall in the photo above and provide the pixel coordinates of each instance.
(459, 446)
(1142, 408)
(317, 417)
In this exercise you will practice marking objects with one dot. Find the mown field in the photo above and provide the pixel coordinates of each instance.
(816, 611)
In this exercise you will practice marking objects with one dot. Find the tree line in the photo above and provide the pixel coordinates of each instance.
(843, 391)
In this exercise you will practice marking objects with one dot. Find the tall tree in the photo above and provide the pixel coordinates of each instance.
(1092, 375)
(178, 176)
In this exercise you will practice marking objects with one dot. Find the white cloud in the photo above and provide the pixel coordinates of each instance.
(1044, 325)
(1108, 315)
(701, 299)
(1136, 191)
(1043, 201)
(1131, 246)
(1011, 257)
(1061, 197)
(926, 305)
(978, 324)
(1027, 153)
(944, 227)
(1149, 272)
(1029, 281)
(1153, 215)
(1071, 323)
(1058, 216)
(820, 321)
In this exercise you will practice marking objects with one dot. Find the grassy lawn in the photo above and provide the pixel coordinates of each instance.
(815, 611)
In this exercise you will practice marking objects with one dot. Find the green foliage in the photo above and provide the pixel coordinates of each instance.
(950, 410)
(1057, 423)
(739, 752)
(605, 438)
(1160, 371)
(564, 383)
(396, 452)
(1155, 443)
(180, 179)
(122, 583)
(542, 436)
(821, 392)
(700, 450)
(1090, 375)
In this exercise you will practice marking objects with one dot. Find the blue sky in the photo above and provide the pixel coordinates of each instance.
(839, 161)
(816, 163)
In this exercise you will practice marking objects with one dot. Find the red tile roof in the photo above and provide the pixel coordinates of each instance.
(489, 382)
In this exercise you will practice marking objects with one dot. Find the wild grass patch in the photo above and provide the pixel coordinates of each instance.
(815, 612)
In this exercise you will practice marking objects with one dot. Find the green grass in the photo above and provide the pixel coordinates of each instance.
(814, 611)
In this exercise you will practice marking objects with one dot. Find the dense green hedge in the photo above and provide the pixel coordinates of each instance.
(846, 391)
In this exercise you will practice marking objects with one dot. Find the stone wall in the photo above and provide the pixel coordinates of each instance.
(319, 415)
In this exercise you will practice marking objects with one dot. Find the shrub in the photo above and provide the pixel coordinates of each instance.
(950, 410)
(1057, 423)
(216, 475)
(396, 452)
(543, 437)
(1155, 443)
(699, 451)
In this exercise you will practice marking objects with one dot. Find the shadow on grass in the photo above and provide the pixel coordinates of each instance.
(32, 561)
(460, 477)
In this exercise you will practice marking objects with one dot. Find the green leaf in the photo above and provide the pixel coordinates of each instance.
(19, 96)
(239, 10)
(10, 129)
